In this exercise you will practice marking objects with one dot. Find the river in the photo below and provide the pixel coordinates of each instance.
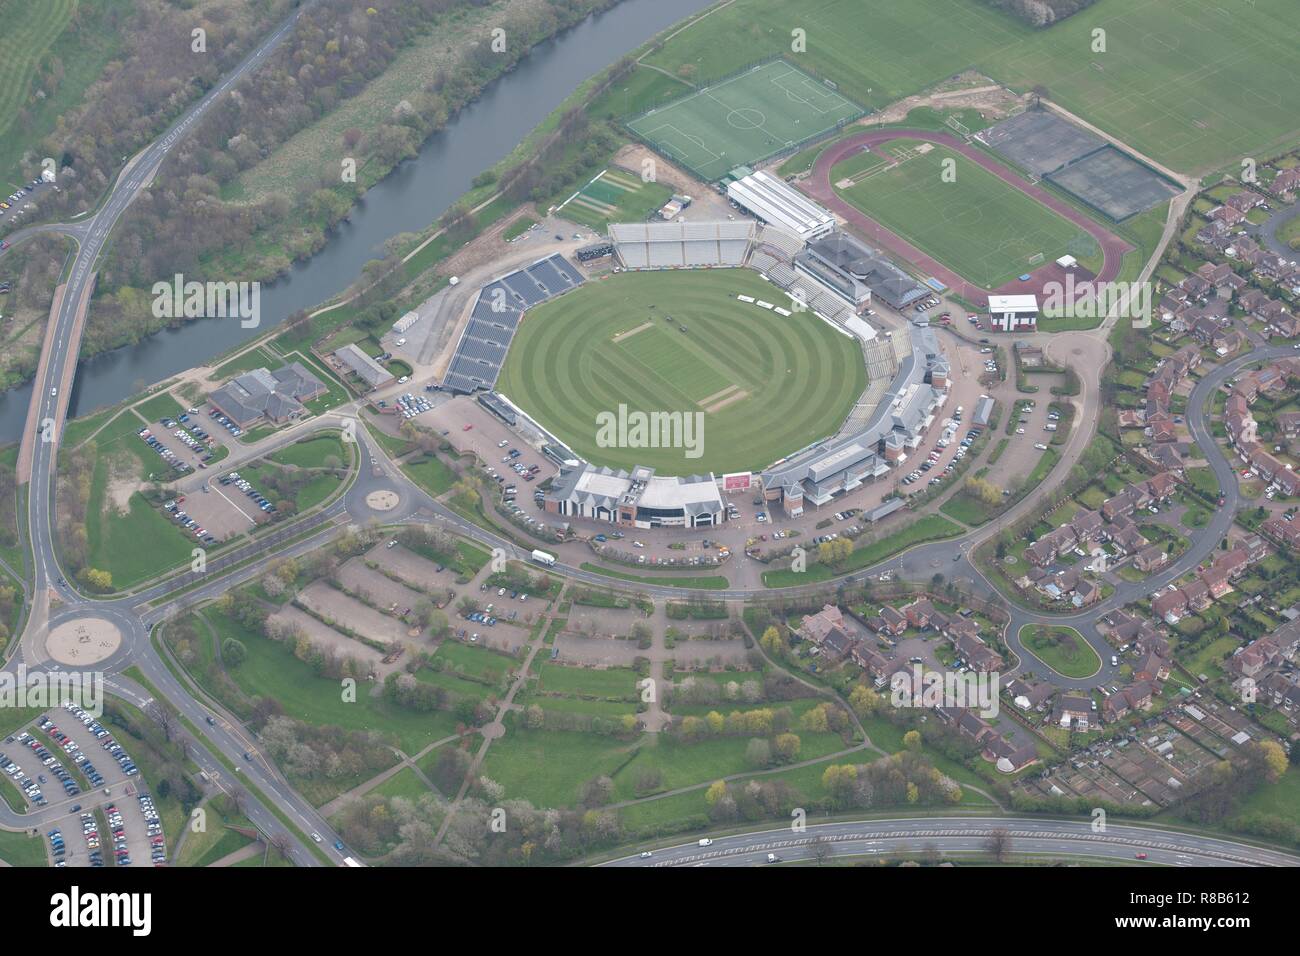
(415, 194)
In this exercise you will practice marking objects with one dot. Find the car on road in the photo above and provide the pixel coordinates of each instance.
(706, 842)
(1139, 856)
(316, 838)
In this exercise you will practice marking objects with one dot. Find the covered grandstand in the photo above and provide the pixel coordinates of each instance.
(779, 204)
(893, 427)
(497, 310)
(677, 245)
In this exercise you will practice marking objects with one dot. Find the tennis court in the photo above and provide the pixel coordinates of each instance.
(746, 119)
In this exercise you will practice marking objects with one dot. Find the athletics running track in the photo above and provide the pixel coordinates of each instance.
(819, 187)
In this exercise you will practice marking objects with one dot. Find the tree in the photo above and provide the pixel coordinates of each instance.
(758, 753)
(97, 580)
(164, 716)
(840, 780)
(233, 652)
(1275, 759)
(717, 790)
(772, 643)
(998, 844)
(786, 747)
(912, 740)
(822, 849)
(863, 701)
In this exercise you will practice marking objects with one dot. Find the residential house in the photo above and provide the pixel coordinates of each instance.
(1170, 606)
(1284, 532)
(1151, 558)
(919, 613)
(1152, 668)
(1073, 711)
(895, 623)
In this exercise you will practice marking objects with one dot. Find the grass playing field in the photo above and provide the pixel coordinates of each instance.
(617, 195)
(27, 30)
(767, 384)
(1194, 83)
(977, 225)
(744, 119)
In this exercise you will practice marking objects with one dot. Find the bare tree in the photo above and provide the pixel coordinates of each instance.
(164, 716)
(999, 844)
(281, 844)
(822, 850)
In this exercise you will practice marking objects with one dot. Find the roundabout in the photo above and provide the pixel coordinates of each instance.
(382, 500)
(83, 641)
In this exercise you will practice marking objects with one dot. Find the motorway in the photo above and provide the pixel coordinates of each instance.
(136, 614)
(1029, 836)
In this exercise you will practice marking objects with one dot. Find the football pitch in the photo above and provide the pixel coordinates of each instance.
(767, 384)
(977, 225)
(1194, 83)
(744, 119)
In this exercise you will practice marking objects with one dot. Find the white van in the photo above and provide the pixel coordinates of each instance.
(706, 842)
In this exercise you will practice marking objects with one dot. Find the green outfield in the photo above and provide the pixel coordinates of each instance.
(744, 119)
(977, 224)
(766, 384)
(1194, 83)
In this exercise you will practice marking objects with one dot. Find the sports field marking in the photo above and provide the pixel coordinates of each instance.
(744, 119)
(741, 395)
(604, 209)
(718, 395)
(631, 332)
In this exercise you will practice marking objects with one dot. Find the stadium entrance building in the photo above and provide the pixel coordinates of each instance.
(636, 499)
(781, 205)
(1013, 313)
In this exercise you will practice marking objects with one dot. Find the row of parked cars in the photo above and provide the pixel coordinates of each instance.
(25, 783)
(12, 205)
(57, 847)
(191, 435)
(224, 422)
(51, 763)
(185, 521)
(246, 487)
(90, 832)
(411, 405)
(78, 756)
(153, 827)
(114, 749)
(163, 451)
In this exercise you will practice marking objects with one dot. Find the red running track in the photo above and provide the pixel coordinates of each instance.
(819, 187)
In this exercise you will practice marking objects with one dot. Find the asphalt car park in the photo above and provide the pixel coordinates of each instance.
(194, 440)
(120, 797)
